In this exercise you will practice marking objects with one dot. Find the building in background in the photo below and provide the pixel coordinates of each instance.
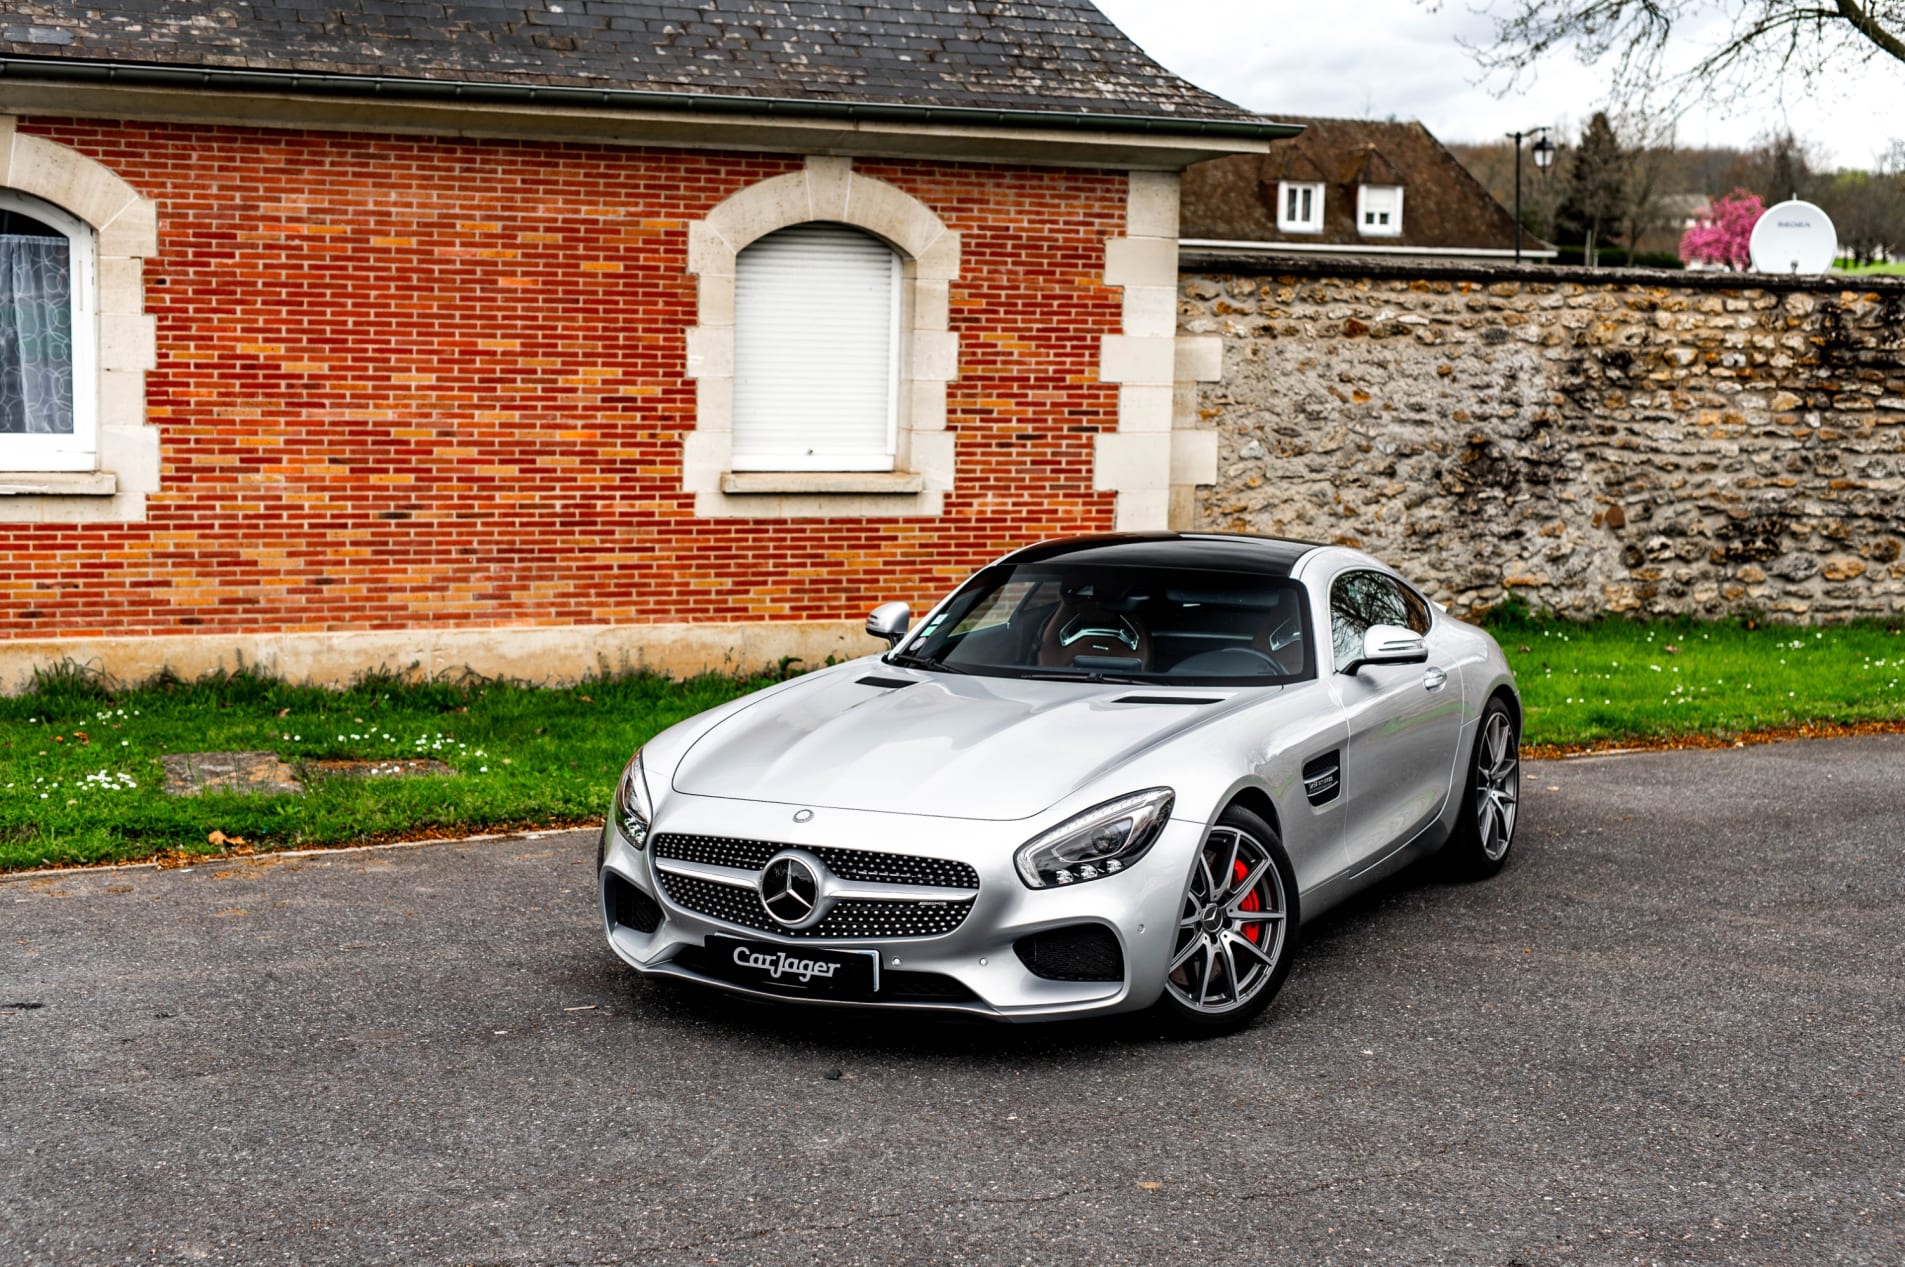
(543, 337)
(1349, 187)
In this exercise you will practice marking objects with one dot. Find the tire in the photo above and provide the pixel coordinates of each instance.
(1231, 951)
(1491, 798)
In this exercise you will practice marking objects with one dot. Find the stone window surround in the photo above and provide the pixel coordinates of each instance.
(1153, 461)
(827, 189)
(126, 234)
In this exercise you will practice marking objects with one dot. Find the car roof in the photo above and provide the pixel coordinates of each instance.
(1206, 551)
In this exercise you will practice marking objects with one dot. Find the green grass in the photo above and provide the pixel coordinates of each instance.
(81, 781)
(1891, 268)
(1622, 681)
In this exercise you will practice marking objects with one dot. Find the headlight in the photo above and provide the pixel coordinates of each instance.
(632, 810)
(1102, 841)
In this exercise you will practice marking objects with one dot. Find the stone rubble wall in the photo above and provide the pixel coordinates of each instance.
(1590, 441)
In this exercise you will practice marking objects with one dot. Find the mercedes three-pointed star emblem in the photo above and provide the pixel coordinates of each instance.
(790, 890)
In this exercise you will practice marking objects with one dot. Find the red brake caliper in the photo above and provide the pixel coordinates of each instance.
(1251, 902)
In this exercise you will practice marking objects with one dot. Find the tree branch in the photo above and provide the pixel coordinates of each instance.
(1865, 24)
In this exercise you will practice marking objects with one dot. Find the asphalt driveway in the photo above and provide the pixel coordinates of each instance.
(1673, 1031)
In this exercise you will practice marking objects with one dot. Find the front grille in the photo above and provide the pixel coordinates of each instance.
(629, 906)
(1079, 952)
(895, 987)
(857, 918)
(849, 864)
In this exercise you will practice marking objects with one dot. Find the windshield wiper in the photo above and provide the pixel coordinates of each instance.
(1096, 679)
(921, 662)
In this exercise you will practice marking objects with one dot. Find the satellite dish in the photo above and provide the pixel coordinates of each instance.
(1793, 237)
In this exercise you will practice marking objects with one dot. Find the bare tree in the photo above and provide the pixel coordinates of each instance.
(1759, 38)
(1652, 179)
(1868, 208)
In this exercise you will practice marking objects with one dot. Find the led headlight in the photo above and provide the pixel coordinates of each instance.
(1102, 841)
(632, 810)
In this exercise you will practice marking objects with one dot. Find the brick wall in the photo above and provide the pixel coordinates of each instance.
(408, 382)
(1594, 441)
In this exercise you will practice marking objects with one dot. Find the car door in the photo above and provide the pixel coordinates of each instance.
(1403, 720)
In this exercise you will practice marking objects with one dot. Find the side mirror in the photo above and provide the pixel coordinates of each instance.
(1389, 644)
(889, 621)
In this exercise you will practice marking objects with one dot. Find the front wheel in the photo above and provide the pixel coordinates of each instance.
(1236, 928)
(1491, 801)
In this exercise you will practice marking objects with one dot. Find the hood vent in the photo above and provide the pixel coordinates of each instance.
(890, 683)
(1169, 699)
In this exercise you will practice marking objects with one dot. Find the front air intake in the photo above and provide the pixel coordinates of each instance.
(629, 906)
(1079, 952)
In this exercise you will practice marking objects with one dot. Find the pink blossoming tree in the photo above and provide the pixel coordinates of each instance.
(1722, 235)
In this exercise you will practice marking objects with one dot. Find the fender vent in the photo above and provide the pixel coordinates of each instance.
(1322, 778)
(1168, 699)
(889, 683)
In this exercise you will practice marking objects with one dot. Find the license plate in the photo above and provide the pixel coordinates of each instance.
(796, 969)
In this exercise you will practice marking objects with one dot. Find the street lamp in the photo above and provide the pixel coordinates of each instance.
(1543, 150)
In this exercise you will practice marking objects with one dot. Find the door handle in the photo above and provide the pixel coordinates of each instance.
(1433, 678)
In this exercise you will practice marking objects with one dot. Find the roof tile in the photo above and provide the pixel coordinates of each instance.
(1038, 55)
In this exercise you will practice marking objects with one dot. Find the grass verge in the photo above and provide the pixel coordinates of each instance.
(1618, 682)
(81, 779)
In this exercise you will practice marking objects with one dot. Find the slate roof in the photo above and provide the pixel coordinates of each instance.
(1047, 56)
(1234, 199)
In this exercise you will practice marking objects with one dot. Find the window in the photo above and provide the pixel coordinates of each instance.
(1361, 599)
(47, 340)
(1299, 207)
(1379, 210)
(1062, 618)
(816, 351)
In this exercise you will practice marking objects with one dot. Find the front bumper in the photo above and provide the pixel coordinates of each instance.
(1139, 906)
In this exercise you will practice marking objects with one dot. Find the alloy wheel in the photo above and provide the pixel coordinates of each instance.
(1497, 786)
(1232, 930)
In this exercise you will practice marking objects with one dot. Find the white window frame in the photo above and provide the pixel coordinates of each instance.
(1289, 191)
(1365, 211)
(80, 450)
(782, 452)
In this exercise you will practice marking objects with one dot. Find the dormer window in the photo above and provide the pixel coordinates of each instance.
(1379, 210)
(1299, 206)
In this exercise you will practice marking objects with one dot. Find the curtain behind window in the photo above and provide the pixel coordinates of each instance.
(36, 336)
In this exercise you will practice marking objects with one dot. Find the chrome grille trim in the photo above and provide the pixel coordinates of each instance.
(855, 918)
(859, 865)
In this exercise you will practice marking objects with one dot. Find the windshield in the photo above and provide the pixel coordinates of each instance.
(1136, 624)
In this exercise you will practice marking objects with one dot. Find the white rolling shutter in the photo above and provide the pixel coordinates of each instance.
(816, 351)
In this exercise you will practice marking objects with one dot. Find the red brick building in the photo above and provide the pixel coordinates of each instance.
(541, 338)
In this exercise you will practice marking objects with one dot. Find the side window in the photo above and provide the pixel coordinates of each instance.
(46, 338)
(1361, 599)
(816, 351)
(1417, 607)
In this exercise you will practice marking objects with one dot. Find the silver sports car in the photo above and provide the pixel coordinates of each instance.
(1106, 774)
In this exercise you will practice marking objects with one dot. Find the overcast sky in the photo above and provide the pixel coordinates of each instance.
(1397, 57)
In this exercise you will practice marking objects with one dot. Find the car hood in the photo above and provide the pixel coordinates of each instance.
(946, 746)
